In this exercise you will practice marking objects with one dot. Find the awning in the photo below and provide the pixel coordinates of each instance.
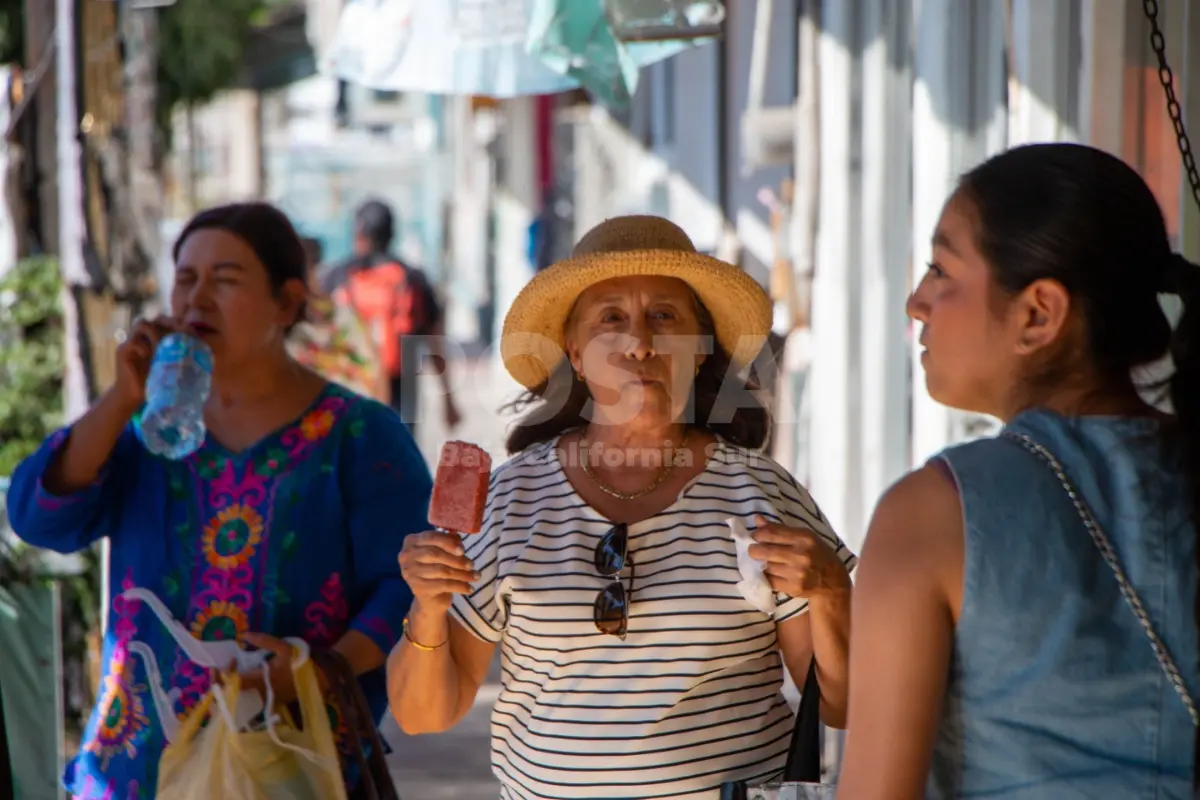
(512, 48)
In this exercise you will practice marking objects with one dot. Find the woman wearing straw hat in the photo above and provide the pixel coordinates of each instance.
(640, 657)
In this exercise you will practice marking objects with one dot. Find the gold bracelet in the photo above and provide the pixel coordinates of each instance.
(418, 645)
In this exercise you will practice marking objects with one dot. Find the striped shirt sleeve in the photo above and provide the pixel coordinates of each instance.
(799, 510)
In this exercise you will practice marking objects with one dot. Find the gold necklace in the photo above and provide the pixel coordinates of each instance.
(667, 468)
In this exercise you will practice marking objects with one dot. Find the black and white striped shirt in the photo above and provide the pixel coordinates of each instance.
(692, 697)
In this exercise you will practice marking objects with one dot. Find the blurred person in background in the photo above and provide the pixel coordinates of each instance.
(996, 652)
(400, 307)
(285, 523)
(638, 660)
(333, 341)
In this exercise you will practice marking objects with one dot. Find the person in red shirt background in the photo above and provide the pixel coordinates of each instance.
(397, 302)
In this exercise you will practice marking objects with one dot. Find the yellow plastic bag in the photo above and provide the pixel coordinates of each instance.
(280, 762)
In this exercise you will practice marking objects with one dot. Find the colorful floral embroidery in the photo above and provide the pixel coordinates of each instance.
(211, 465)
(122, 720)
(327, 616)
(236, 582)
(314, 427)
(108, 791)
(220, 621)
(232, 536)
(272, 463)
(192, 682)
(317, 424)
(227, 488)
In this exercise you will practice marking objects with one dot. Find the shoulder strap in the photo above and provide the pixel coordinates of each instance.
(1104, 545)
(375, 779)
(804, 755)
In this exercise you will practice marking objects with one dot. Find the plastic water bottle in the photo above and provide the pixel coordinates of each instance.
(180, 380)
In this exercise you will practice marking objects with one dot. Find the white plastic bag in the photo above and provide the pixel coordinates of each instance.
(278, 761)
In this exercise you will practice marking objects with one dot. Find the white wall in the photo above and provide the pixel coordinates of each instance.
(515, 203)
(895, 136)
(617, 174)
(227, 160)
(959, 119)
(9, 202)
(466, 278)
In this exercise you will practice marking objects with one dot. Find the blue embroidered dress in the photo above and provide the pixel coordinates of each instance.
(296, 536)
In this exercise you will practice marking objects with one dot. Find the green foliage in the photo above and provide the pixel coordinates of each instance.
(201, 44)
(18, 564)
(31, 370)
(31, 358)
(200, 49)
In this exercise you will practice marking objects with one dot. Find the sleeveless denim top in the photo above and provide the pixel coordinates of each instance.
(1054, 691)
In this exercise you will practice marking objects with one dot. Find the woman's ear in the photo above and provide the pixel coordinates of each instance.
(1043, 310)
(574, 356)
(292, 297)
(571, 346)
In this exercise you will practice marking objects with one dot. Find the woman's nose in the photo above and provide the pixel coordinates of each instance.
(916, 308)
(199, 295)
(641, 341)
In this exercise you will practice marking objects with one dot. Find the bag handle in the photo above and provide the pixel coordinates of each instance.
(804, 754)
(353, 707)
(1104, 545)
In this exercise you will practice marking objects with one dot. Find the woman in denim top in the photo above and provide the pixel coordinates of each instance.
(993, 653)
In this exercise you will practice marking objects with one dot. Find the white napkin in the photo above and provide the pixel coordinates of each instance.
(753, 586)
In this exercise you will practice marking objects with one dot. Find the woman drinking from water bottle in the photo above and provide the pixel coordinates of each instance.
(284, 523)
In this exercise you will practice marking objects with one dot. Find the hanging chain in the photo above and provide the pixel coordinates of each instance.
(1174, 110)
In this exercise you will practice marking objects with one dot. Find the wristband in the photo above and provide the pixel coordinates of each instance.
(418, 645)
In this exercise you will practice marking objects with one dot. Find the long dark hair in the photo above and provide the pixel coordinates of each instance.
(1080, 216)
(722, 402)
(266, 230)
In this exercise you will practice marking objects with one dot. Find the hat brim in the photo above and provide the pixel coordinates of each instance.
(532, 343)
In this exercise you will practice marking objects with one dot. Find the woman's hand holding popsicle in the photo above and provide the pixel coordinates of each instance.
(445, 662)
(435, 567)
(433, 563)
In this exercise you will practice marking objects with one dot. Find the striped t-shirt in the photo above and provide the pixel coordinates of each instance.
(692, 697)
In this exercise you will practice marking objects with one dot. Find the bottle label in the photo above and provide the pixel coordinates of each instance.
(177, 388)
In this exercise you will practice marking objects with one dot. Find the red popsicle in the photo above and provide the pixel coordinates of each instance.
(460, 488)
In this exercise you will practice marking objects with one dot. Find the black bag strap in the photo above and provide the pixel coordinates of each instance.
(804, 755)
(375, 780)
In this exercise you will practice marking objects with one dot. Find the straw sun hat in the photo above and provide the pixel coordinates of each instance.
(532, 343)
